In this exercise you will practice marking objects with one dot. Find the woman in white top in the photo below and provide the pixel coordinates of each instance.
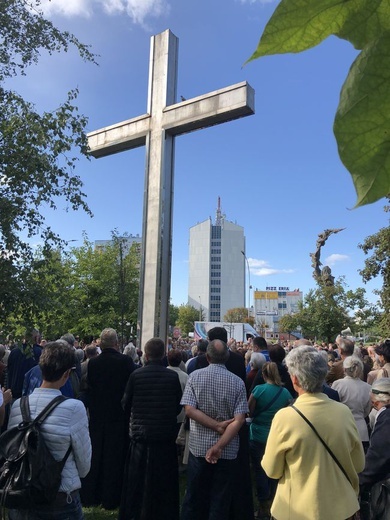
(355, 393)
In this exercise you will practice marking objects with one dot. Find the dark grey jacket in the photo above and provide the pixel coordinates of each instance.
(152, 399)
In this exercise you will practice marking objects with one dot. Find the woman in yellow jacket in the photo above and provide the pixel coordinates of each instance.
(312, 486)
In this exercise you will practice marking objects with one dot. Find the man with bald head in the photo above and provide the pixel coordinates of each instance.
(215, 401)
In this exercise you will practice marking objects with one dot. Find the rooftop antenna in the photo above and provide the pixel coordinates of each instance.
(219, 217)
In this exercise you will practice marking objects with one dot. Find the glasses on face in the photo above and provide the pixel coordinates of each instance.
(375, 391)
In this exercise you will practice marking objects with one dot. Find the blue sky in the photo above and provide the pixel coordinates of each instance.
(277, 172)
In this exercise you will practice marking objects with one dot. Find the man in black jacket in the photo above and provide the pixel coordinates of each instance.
(107, 376)
(152, 400)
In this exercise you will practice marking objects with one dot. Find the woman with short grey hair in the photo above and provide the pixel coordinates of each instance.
(355, 393)
(309, 366)
(297, 457)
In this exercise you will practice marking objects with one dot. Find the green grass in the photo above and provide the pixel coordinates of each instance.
(97, 513)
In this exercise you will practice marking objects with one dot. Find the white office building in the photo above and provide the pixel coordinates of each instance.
(216, 267)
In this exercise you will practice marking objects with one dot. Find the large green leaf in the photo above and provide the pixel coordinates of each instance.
(362, 123)
(297, 25)
(366, 23)
(362, 120)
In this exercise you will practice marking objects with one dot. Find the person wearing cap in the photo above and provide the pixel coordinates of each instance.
(377, 466)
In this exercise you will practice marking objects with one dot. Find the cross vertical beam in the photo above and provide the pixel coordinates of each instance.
(157, 129)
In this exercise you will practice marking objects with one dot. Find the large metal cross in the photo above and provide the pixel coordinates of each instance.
(157, 130)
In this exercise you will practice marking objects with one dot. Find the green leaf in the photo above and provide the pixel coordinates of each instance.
(297, 25)
(366, 23)
(362, 123)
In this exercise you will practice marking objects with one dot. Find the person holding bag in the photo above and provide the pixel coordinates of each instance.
(314, 448)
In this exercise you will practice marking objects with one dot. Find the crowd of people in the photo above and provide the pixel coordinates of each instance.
(306, 426)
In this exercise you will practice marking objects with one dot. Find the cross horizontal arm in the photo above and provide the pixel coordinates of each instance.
(210, 109)
(126, 135)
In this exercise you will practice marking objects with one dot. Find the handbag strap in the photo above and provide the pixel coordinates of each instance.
(268, 406)
(323, 442)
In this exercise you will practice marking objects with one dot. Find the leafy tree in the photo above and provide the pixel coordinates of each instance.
(288, 323)
(362, 122)
(104, 288)
(38, 152)
(378, 264)
(173, 314)
(326, 311)
(236, 315)
(82, 291)
(186, 318)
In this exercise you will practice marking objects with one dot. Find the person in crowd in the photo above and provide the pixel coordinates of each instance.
(259, 344)
(200, 361)
(66, 425)
(107, 376)
(5, 399)
(256, 363)
(90, 352)
(377, 466)
(277, 354)
(3, 366)
(33, 378)
(152, 401)
(242, 500)
(355, 393)
(174, 359)
(264, 401)
(336, 371)
(375, 364)
(131, 351)
(296, 457)
(383, 352)
(216, 418)
(21, 359)
(235, 362)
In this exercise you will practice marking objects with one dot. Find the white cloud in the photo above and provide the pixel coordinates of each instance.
(335, 258)
(262, 268)
(67, 7)
(137, 10)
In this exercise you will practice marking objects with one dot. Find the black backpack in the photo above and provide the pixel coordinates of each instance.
(29, 475)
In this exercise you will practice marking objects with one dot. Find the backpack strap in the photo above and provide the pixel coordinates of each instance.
(26, 414)
(48, 409)
(25, 409)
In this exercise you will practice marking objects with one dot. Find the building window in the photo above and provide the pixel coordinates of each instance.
(215, 297)
(215, 251)
(215, 289)
(216, 267)
(215, 232)
(215, 259)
